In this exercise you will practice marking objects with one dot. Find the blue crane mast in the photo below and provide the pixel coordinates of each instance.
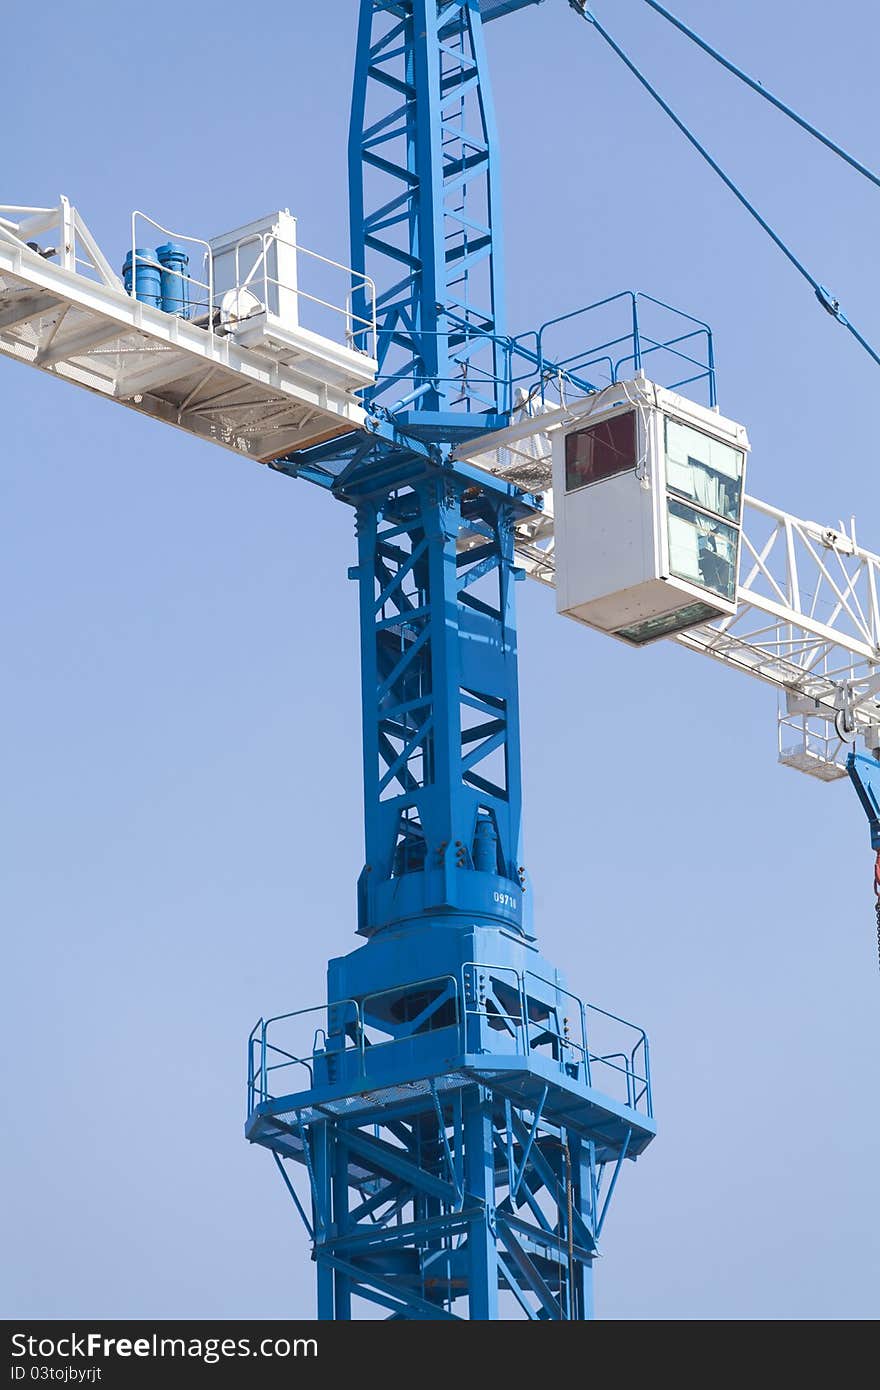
(457, 1143)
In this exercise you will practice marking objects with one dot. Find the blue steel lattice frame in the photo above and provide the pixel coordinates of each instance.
(424, 197)
(458, 1153)
(437, 1210)
(441, 704)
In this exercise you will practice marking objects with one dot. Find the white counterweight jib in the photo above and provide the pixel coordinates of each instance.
(260, 382)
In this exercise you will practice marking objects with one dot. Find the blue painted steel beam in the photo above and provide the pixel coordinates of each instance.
(864, 773)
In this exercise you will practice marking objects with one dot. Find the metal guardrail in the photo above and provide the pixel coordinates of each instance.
(639, 344)
(524, 367)
(528, 366)
(199, 300)
(360, 332)
(263, 1054)
(192, 306)
(539, 1015)
(74, 246)
(349, 1028)
(572, 1051)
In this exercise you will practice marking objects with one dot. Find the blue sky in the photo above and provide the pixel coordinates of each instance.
(181, 817)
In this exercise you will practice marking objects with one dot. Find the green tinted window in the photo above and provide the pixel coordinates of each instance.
(702, 549)
(703, 470)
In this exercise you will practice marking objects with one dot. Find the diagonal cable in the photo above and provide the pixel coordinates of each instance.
(764, 92)
(824, 295)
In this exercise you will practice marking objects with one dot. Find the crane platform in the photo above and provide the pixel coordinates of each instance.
(65, 311)
(567, 1102)
(518, 1033)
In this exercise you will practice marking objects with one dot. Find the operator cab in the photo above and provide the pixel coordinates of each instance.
(648, 494)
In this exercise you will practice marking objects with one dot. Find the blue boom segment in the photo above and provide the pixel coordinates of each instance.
(423, 170)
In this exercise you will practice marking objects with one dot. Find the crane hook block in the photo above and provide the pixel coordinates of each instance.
(864, 772)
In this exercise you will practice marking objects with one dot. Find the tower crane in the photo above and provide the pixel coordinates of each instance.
(452, 1120)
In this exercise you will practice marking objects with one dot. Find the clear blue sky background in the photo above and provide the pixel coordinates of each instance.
(181, 818)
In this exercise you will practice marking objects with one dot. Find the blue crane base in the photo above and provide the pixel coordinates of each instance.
(462, 1132)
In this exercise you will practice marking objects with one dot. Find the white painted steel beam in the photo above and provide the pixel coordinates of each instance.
(23, 307)
(76, 345)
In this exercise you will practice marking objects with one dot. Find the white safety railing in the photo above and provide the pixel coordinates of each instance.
(255, 286)
(65, 240)
(200, 305)
(359, 331)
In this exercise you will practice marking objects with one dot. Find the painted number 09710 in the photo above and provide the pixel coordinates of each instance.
(505, 900)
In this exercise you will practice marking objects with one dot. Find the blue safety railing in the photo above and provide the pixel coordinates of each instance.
(625, 333)
(682, 355)
(267, 1057)
(587, 1043)
(541, 1014)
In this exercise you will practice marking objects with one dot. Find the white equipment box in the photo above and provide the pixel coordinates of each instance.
(255, 269)
(259, 272)
(648, 494)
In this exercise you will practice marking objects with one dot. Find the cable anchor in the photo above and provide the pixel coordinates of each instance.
(830, 304)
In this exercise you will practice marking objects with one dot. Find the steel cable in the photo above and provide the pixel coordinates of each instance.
(829, 303)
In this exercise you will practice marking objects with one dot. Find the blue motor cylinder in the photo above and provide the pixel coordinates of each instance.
(486, 847)
(147, 276)
(174, 261)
